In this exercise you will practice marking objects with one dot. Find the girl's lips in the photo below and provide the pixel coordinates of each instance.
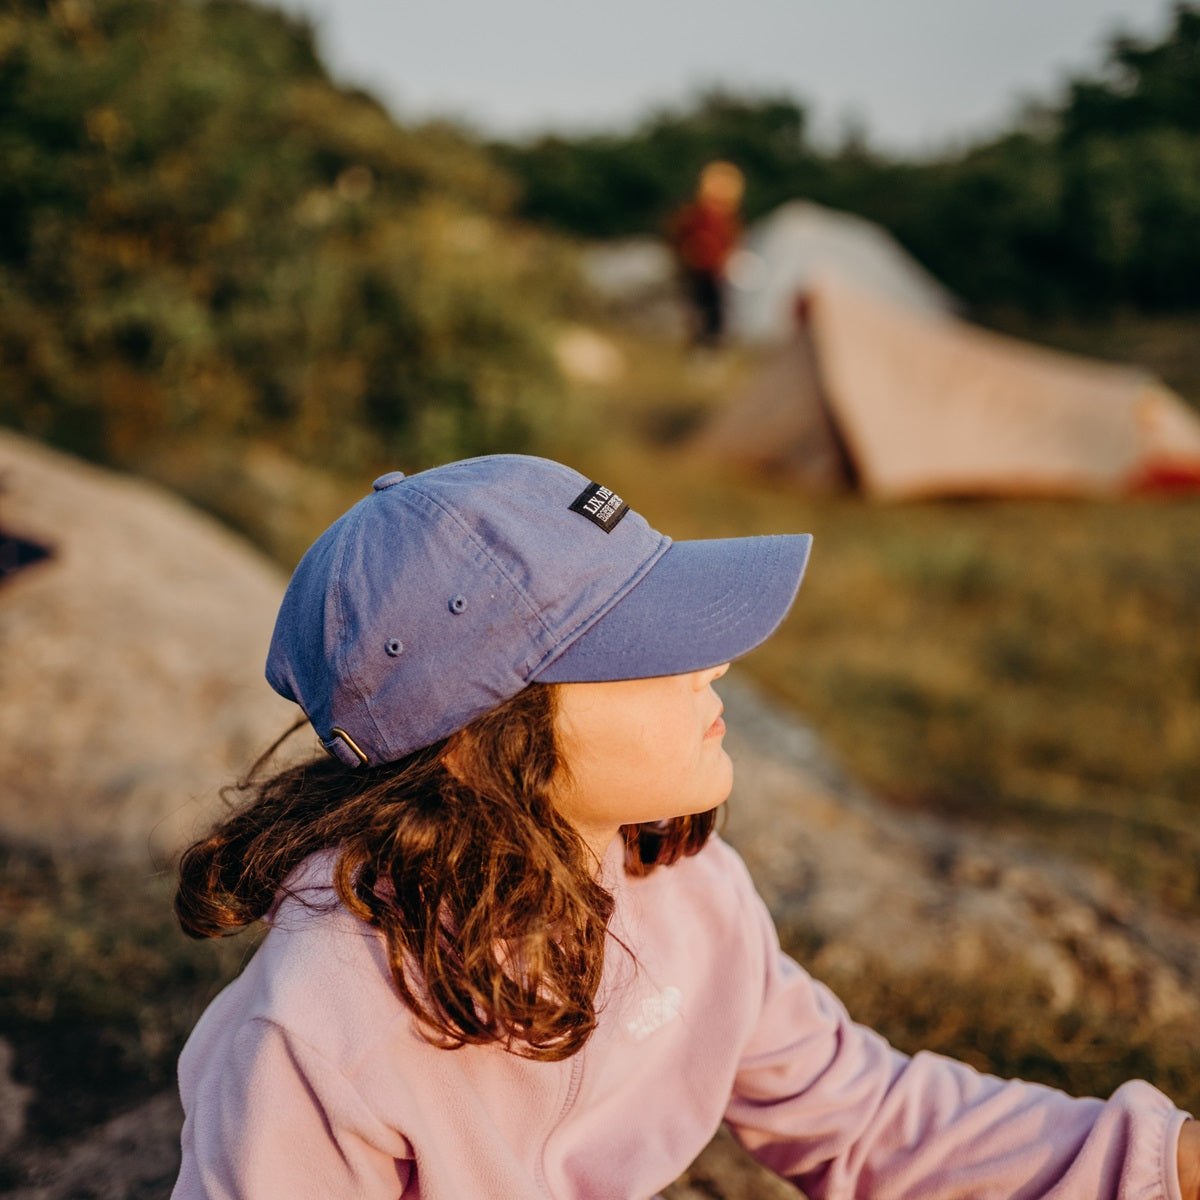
(717, 728)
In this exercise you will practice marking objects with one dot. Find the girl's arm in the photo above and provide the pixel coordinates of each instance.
(829, 1105)
(274, 1119)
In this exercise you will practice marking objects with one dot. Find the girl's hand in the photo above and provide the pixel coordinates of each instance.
(1189, 1160)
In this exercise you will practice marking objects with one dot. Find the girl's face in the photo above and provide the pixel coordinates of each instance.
(640, 750)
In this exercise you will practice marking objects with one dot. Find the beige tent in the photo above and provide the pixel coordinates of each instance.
(783, 254)
(908, 404)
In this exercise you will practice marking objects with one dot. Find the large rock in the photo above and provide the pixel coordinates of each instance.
(131, 683)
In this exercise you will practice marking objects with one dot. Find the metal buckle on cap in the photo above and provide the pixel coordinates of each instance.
(335, 732)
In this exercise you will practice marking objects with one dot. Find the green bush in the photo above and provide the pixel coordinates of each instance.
(207, 240)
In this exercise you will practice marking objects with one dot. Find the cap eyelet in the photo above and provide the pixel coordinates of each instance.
(393, 647)
(458, 604)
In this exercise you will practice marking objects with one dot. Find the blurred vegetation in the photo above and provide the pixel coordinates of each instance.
(204, 240)
(1087, 205)
(208, 251)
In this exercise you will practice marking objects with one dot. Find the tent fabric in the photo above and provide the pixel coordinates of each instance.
(918, 404)
(780, 424)
(787, 250)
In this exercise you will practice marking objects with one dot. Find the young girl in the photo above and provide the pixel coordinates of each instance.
(507, 959)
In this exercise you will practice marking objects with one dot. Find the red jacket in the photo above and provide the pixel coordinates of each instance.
(704, 235)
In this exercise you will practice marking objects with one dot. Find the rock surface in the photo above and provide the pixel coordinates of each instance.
(131, 658)
(913, 894)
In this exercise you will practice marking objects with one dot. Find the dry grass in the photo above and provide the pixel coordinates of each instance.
(99, 987)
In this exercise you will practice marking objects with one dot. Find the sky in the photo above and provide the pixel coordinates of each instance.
(920, 75)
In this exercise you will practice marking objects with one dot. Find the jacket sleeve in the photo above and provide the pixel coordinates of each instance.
(829, 1105)
(277, 1120)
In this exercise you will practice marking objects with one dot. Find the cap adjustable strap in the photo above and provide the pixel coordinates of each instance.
(344, 748)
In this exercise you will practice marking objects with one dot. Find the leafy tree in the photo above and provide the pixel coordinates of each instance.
(611, 185)
(1129, 150)
(1088, 204)
(1145, 85)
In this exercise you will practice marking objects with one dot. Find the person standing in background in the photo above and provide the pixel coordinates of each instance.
(703, 234)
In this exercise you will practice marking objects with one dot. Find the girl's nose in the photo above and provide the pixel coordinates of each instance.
(710, 675)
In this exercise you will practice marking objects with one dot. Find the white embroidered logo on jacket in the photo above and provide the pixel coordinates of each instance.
(655, 1012)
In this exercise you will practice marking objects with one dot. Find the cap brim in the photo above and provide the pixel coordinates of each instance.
(702, 603)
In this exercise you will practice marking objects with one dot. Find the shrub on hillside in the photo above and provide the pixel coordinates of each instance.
(204, 238)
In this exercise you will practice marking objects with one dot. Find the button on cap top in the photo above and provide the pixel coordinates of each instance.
(386, 481)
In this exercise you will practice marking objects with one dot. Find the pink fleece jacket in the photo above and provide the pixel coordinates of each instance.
(307, 1078)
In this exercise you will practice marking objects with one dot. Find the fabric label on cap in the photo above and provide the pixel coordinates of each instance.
(602, 506)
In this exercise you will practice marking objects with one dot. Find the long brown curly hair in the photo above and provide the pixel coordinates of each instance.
(486, 896)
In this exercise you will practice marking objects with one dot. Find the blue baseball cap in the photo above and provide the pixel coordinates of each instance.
(442, 594)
